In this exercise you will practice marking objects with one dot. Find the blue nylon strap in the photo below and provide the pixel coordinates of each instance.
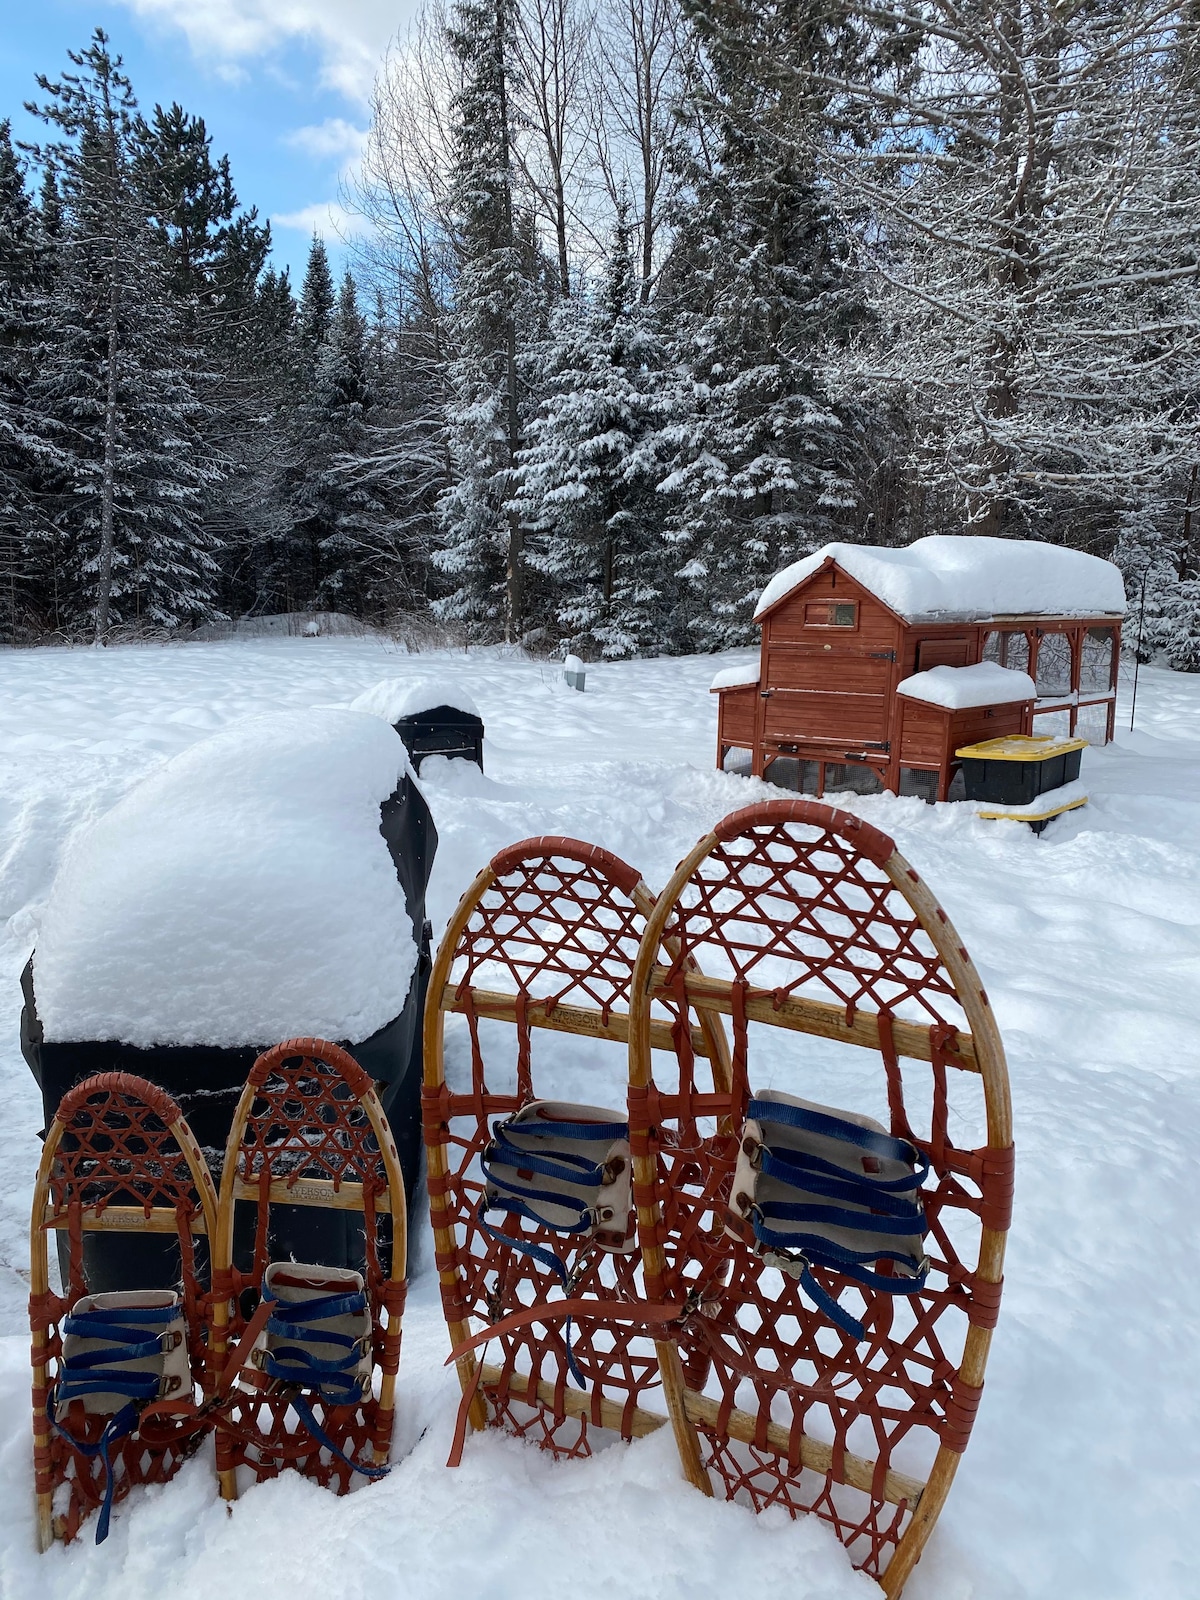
(315, 1431)
(795, 1166)
(119, 1426)
(300, 1356)
(117, 1323)
(572, 1168)
(84, 1360)
(318, 1308)
(849, 1187)
(842, 1129)
(512, 1197)
(544, 1129)
(534, 1252)
(108, 1380)
(886, 1206)
(834, 1217)
(299, 1369)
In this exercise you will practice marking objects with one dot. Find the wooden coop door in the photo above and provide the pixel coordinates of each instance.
(838, 698)
(943, 653)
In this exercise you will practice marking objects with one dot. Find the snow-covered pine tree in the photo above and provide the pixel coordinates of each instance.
(497, 317)
(348, 513)
(1034, 204)
(21, 309)
(756, 288)
(589, 473)
(116, 415)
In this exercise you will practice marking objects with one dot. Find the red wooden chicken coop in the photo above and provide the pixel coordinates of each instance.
(877, 664)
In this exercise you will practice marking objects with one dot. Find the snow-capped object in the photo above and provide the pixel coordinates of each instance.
(240, 894)
(735, 677)
(958, 577)
(987, 683)
(393, 698)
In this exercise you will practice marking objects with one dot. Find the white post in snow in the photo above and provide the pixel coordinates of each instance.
(574, 673)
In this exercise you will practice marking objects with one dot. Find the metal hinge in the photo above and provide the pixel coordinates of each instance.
(883, 655)
(885, 745)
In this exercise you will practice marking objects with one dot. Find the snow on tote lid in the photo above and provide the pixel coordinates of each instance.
(956, 577)
(958, 688)
(239, 895)
(394, 698)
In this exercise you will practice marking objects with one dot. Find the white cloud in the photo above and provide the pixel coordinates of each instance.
(333, 137)
(326, 217)
(349, 35)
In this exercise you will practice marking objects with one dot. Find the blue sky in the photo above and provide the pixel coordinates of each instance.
(283, 85)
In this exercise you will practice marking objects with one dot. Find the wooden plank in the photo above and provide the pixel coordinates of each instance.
(578, 1403)
(121, 1219)
(568, 1019)
(818, 1017)
(817, 1456)
(312, 1192)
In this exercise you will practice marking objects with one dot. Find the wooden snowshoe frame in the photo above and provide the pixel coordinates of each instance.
(816, 924)
(118, 1157)
(546, 937)
(308, 1131)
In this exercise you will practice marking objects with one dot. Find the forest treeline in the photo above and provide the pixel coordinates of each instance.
(650, 298)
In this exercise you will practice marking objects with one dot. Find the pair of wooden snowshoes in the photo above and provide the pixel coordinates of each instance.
(292, 1365)
(691, 1233)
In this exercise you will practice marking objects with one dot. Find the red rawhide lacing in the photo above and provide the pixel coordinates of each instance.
(557, 926)
(119, 1147)
(308, 1125)
(793, 902)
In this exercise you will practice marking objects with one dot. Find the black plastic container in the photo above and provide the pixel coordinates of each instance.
(1018, 783)
(205, 1081)
(442, 731)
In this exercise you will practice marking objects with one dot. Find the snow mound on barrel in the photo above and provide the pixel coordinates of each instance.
(960, 576)
(241, 894)
(394, 698)
(959, 688)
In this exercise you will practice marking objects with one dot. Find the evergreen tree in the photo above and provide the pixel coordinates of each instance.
(760, 457)
(340, 509)
(116, 411)
(589, 473)
(496, 318)
(316, 302)
(20, 315)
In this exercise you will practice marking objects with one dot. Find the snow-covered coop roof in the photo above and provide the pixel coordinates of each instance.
(241, 894)
(394, 698)
(959, 688)
(958, 577)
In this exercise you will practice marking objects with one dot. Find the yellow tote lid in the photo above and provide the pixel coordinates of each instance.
(1021, 747)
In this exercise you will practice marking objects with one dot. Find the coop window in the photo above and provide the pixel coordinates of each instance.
(1008, 649)
(831, 614)
(1053, 666)
(1096, 668)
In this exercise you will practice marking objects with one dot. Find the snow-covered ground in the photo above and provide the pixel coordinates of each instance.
(1083, 1476)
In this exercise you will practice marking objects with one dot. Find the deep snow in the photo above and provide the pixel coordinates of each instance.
(1083, 1476)
(957, 576)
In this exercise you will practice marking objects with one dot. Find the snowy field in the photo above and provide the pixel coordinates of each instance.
(1083, 1475)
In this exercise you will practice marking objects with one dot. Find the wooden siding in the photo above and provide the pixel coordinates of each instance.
(827, 691)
